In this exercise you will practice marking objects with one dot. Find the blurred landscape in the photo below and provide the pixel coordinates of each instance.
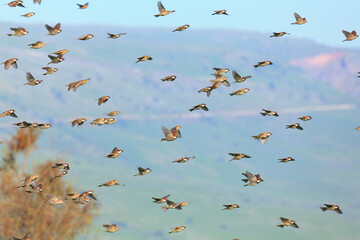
(306, 79)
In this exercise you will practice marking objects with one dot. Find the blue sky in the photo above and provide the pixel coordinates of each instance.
(326, 18)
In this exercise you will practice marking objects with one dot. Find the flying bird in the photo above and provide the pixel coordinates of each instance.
(114, 36)
(53, 30)
(111, 183)
(299, 19)
(182, 160)
(263, 64)
(74, 85)
(220, 71)
(49, 70)
(238, 156)
(169, 78)
(63, 173)
(61, 52)
(263, 137)
(239, 92)
(279, 34)
(251, 179)
(238, 78)
(102, 100)
(221, 79)
(181, 28)
(231, 206)
(161, 200)
(171, 135)
(220, 12)
(177, 229)
(113, 113)
(52, 200)
(201, 106)
(11, 62)
(83, 6)
(79, 122)
(286, 159)
(143, 58)
(287, 222)
(269, 113)
(111, 228)
(37, 45)
(64, 166)
(18, 3)
(56, 59)
(114, 153)
(31, 80)
(18, 32)
(162, 10)
(29, 14)
(10, 113)
(44, 125)
(143, 171)
(331, 207)
(305, 118)
(99, 121)
(295, 125)
(86, 37)
(350, 36)
(37, 1)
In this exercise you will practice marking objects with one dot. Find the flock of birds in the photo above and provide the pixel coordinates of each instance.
(31, 185)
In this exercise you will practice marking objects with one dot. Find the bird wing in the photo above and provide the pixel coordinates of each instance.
(297, 16)
(161, 7)
(346, 33)
(30, 77)
(57, 26)
(284, 219)
(167, 133)
(236, 76)
(49, 28)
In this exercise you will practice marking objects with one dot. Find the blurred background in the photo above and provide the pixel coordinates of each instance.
(313, 73)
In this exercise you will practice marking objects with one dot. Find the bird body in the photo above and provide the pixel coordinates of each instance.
(295, 125)
(115, 153)
(262, 137)
(269, 113)
(299, 19)
(331, 207)
(182, 160)
(287, 222)
(171, 135)
(37, 45)
(262, 64)
(143, 171)
(181, 28)
(10, 62)
(74, 85)
(240, 92)
(53, 30)
(162, 10)
(238, 156)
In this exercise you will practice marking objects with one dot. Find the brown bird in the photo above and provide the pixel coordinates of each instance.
(29, 14)
(287, 159)
(23, 124)
(37, 45)
(28, 181)
(295, 125)
(114, 153)
(61, 52)
(114, 36)
(287, 222)
(75, 85)
(111, 183)
(143, 58)
(62, 166)
(177, 229)
(83, 6)
(279, 34)
(263, 137)
(44, 125)
(182, 160)
(220, 12)
(79, 122)
(169, 78)
(269, 113)
(111, 228)
(10, 62)
(99, 121)
(305, 118)
(161, 200)
(109, 121)
(26, 237)
(198, 107)
(205, 89)
(18, 3)
(56, 59)
(230, 206)
(358, 128)
(299, 19)
(102, 100)
(171, 135)
(173, 205)
(238, 156)
(162, 10)
(181, 28)
(222, 79)
(53, 30)
(143, 171)
(10, 113)
(52, 200)
(251, 179)
(239, 92)
(331, 207)
(63, 173)
(86, 37)
(220, 71)
(113, 113)
(263, 64)
(214, 86)
(37, 1)
(31, 80)
(350, 36)
(238, 78)
(49, 70)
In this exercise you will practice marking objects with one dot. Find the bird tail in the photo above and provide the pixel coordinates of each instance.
(323, 209)
(280, 225)
(255, 137)
(255, 66)
(9, 34)
(264, 114)
(191, 109)
(232, 94)
(157, 15)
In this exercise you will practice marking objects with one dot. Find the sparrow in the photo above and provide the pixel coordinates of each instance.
(82, 198)
(111, 228)
(19, 32)
(305, 118)
(18, 3)
(34, 188)
(52, 200)
(31, 80)
(50, 70)
(331, 207)
(89, 193)
(44, 125)
(75, 85)
(269, 113)
(238, 156)
(263, 64)
(177, 229)
(201, 106)
(78, 122)
(287, 159)
(358, 128)
(37, 1)
(173, 205)
(10, 62)
(181, 28)
(263, 137)
(28, 181)
(109, 121)
(26, 237)
(169, 78)
(171, 135)
(114, 36)
(239, 92)
(99, 121)
(113, 113)
(23, 124)
(299, 19)
(162, 10)
(287, 222)
(111, 183)
(83, 6)
(29, 14)
(182, 160)
(37, 45)
(56, 59)
(214, 86)
(86, 37)
(251, 179)
(230, 206)
(161, 200)
(220, 71)
(58, 175)
(279, 34)
(10, 113)
(350, 36)
(205, 89)
(61, 52)
(143, 171)
(143, 58)
(219, 12)
(295, 125)
(102, 100)
(62, 166)
(114, 153)
(222, 79)
(53, 30)
(238, 78)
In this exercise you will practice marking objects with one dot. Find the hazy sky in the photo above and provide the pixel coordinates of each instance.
(326, 18)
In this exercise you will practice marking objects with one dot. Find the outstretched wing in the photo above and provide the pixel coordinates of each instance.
(297, 16)
(30, 77)
(346, 33)
(161, 7)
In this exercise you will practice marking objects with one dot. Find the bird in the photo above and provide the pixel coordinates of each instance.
(162, 10)
(269, 113)
(34, 188)
(62, 166)
(238, 156)
(177, 229)
(58, 175)
(114, 153)
(44, 125)
(295, 125)
(262, 64)
(201, 106)
(111, 183)
(263, 137)
(111, 228)
(56, 59)
(358, 128)
(79, 122)
(221, 79)
(331, 207)
(279, 34)
(37, 1)
(238, 78)
(350, 36)
(52, 200)
(214, 86)
(10, 62)
(173, 205)
(220, 71)
(239, 92)
(102, 100)
(28, 181)
(83, 6)
(169, 78)
(31, 80)
(49, 70)
(109, 121)
(251, 179)
(161, 200)
(171, 135)
(114, 36)
(10, 113)
(74, 85)
(113, 113)
(23, 124)
(287, 222)
(305, 118)
(143, 171)
(220, 12)
(286, 159)
(53, 30)
(98, 121)
(18, 3)
(143, 58)
(61, 52)
(86, 37)
(37, 45)
(26, 237)
(299, 19)
(230, 206)
(181, 28)
(29, 14)
(205, 89)
(182, 160)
